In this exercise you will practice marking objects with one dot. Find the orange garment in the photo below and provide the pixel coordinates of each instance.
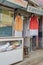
(34, 23)
(18, 23)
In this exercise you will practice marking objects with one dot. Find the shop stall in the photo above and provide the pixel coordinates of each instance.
(15, 33)
(11, 46)
(35, 36)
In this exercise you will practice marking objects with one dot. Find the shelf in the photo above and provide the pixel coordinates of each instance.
(10, 38)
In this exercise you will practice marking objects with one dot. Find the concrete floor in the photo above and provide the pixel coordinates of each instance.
(41, 63)
(35, 58)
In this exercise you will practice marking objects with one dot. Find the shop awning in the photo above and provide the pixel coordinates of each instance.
(15, 3)
(35, 10)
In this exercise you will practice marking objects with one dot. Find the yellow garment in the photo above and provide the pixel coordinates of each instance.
(18, 23)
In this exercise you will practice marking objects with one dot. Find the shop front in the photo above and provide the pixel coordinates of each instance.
(11, 40)
(36, 28)
(20, 30)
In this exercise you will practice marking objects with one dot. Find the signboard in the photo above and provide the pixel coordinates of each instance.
(22, 3)
(1, 1)
(38, 2)
(35, 10)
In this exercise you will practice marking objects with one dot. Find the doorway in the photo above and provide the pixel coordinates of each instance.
(36, 41)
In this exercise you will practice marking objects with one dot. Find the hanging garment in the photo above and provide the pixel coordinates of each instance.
(25, 28)
(34, 26)
(33, 32)
(18, 34)
(18, 23)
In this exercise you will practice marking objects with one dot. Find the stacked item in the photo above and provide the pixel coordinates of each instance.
(10, 46)
(4, 47)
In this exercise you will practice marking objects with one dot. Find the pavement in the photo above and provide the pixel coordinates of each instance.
(34, 58)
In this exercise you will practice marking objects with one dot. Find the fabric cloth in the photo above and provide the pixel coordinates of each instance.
(34, 26)
(9, 48)
(18, 23)
(25, 28)
(26, 42)
(18, 34)
(34, 23)
(4, 47)
(33, 32)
